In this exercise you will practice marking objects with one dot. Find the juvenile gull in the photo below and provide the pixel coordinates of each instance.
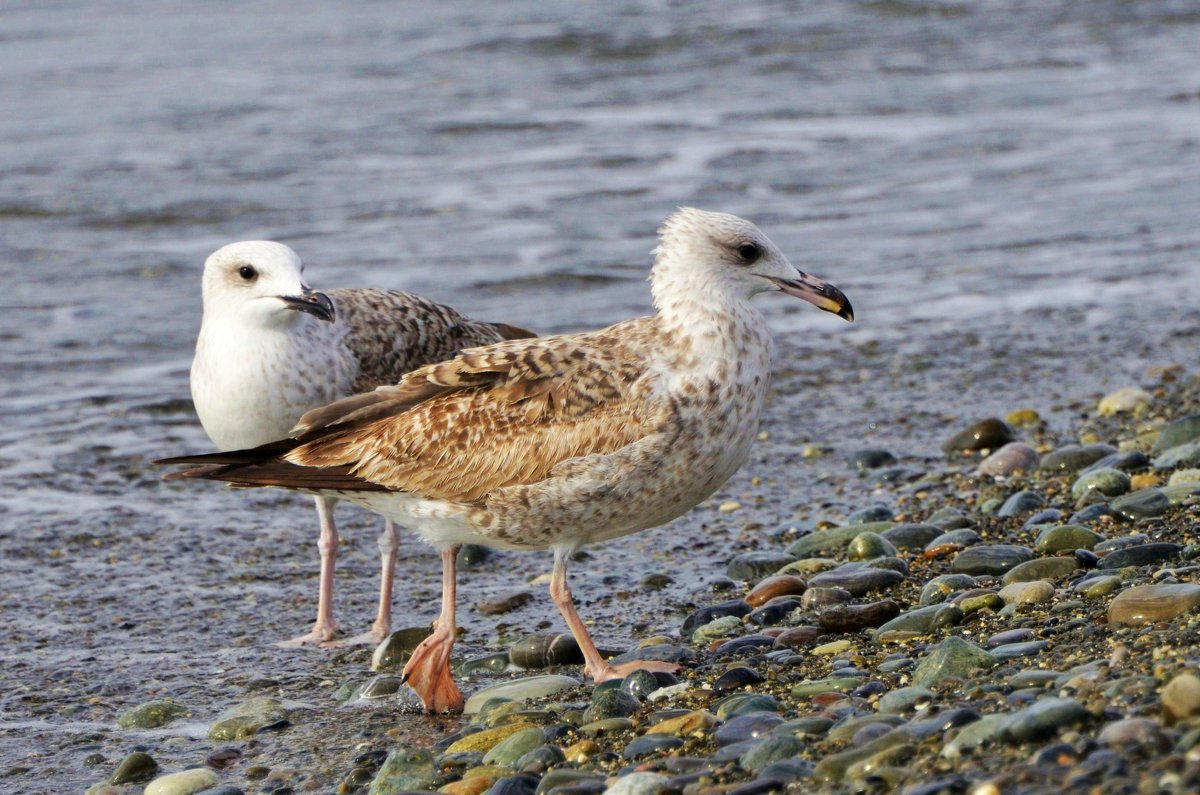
(560, 441)
(270, 349)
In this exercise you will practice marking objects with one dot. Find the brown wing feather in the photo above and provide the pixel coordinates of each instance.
(502, 415)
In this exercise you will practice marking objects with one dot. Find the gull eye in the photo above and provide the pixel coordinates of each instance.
(749, 252)
(248, 273)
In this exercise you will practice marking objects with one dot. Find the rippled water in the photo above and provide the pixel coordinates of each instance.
(1023, 173)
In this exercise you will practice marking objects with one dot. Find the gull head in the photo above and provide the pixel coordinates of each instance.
(261, 282)
(720, 252)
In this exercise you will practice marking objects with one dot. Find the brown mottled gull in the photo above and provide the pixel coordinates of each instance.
(270, 349)
(561, 441)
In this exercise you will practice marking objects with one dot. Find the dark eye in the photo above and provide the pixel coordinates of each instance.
(248, 273)
(749, 252)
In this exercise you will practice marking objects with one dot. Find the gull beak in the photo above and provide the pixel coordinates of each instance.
(316, 304)
(820, 294)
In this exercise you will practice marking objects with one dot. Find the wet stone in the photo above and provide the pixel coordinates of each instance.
(1134, 733)
(833, 767)
(776, 748)
(904, 699)
(1140, 555)
(1113, 544)
(872, 458)
(950, 518)
(746, 704)
(988, 434)
(185, 782)
(1091, 513)
(1128, 461)
(381, 687)
(943, 586)
(545, 649)
(854, 618)
(919, 621)
(771, 587)
(1011, 458)
(1053, 568)
(1042, 719)
(504, 604)
(820, 597)
(974, 735)
(872, 514)
(640, 684)
(1021, 593)
(492, 663)
(1042, 517)
(961, 537)
(520, 784)
(136, 767)
(893, 475)
(775, 611)
(953, 657)
(152, 714)
(943, 721)
(247, 718)
(1181, 431)
(833, 539)
(795, 637)
(992, 559)
(736, 679)
(858, 581)
(1181, 697)
(1109, 482)
(743, 644)
(1014, 651)
(1141, 504)
(513, 747)
(734, 607)
(611, 703)
(650, 744)
(911, 536)
(1069, 459)
(1020, 503)
(752, 566)
(1066, 538)
(1018, 635)
(519, 690)
(716, 629)
(1098, 587)
(1146, 604)
(1183, 456)
(868, 546)
(644, 783)
(396, 648)
(750, 726)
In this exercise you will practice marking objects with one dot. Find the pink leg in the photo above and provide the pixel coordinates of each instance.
(325, 629)
(595, 665)
(388, 543)
(428, 670)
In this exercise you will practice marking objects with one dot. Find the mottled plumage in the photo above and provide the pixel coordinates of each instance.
(271, 349)
(566, 440)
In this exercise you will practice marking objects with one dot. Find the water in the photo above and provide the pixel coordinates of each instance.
(1008, 191)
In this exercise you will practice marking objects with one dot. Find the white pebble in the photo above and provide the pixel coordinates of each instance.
(185, 782)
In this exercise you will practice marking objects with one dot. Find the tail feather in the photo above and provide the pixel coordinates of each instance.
(264, 466)
(510, 332)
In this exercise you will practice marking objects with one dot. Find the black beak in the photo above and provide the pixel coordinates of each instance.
(819, 293)
(316, 304)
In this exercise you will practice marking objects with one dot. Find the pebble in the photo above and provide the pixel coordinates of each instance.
(1126, 461)
(794, 637)
(919, 621)
(1180, 432)
(1181, 697)
(185, 782)
(868, 546)
(1066, 538)
(1108, 482)
(1020, 503)
(833, 539)
(1147, 604)
(693, 723)
(974, 735)
(1141, 504)
(1013, 651)
(911, 536)
(771, 587)
(1041, 719)
(1124, 400)
(1072, 458)
(863, 460)
(1043, 517)
(1011, 458)
(953, 657)
(992, 559)
(833, 768)
(138, 766)
(735, 679)
(504, 604)
(1033, 592)
(639, 784)
(903, 699)
(698, 618)
(152, 714)
(943, 586)
(513, 747)
(545, 649)
(953, 539)
(854, 618)
(1144, 733)
(649, 744)
(776, 748)
(753, 566)
(750, 726)
(1140, 555)
(858, 581)
(487, 739)
(988, 434)
(1052, 568)
(519, 690)
(394, 650)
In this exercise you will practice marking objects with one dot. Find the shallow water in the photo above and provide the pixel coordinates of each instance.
(1008, 191)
